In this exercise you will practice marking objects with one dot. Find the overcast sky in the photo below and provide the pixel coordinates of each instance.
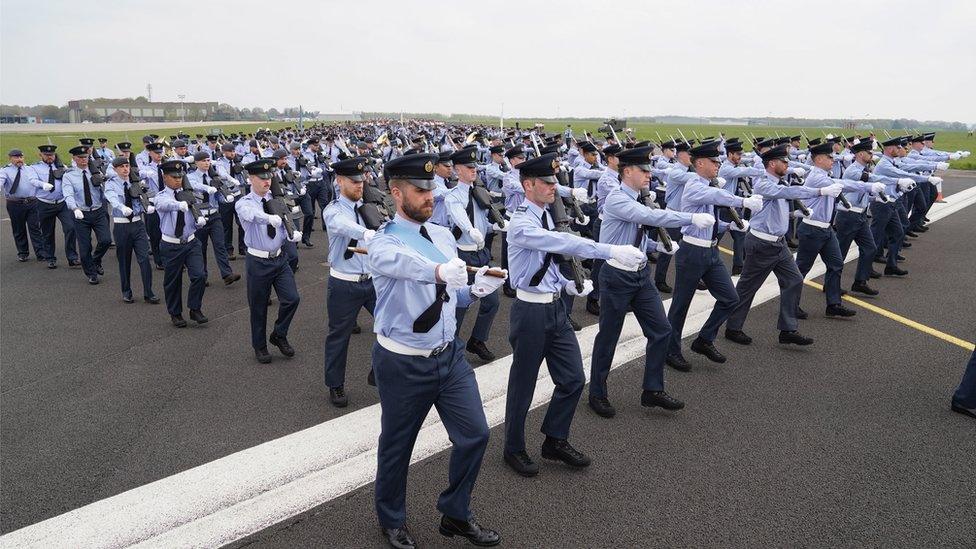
(854, 58)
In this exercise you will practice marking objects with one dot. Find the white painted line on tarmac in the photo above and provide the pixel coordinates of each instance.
(240, 494)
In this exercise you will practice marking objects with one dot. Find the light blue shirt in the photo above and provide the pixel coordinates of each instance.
(732, 173)
(700, 197)
(494, 176)
(586, 177)
(886, 168)
(27, 187)
(404, 281)
(822, 207)
(250, 212)
(116, 190)
(344, 225)
(624, 215)
(455, 201)
(44, 172)
(859, 199)
(440, 210)
(774, 217)
(73, 187)
(609, 180)
(169, 208)
(674, 185)
(529, 242)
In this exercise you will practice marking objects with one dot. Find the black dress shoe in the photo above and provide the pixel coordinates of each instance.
(128, 299)
(338, 397)
(874, 274)
(794, 338)
(23, 258)
(521, 463)
(196, 315)
(178, 321)
(863, 288)
(152, 300)
(678, 362)
(263, 356)
(371, 379)
(663, 287)
(93, 279)
(602, 406)
(231, 278)
(708, 349)
(99, 270)
(160, 268)
(399, 538)
(840, 311)
(900, 257)
(508, 290)
(911, 234)
(308, 243)
(476, 534)
(880, 260)
(895, 271)
(650, 399)
(960, 409)
(479, 348)
(736, 271)
(737, 336)
(921, 229)
(52, 264)
(593, 306)
(357, 329)
(801, 314)
(906, 244)
(561, 450)
(576, 325)
(281, 342)
(74, 263)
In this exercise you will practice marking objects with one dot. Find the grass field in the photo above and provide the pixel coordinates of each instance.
(28, 142)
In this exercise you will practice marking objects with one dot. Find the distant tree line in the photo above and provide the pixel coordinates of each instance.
(224, 111)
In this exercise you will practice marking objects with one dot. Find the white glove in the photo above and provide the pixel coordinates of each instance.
(484, 284)
(295, 236)
(905, 184)
(965, 154)
(274, 221)
(721, 181)
(315, 173)
(799, 214)
(702, 220)
(571, 288)
(368, 235)
(942, 165)
(454, 273)
(801, 157)
(201, 221)
(475, 234)
(799, 171)
(848, 157)
(628, 256)
(663, 250)
(47, 187)
(883, 200)
(745, 226)
(302, 190)
(579, 194)
(834, 190)
(494, 194)
(183, 206)
(150, 209)
(754, 202)
(935, 180)
(498, 228)
(877, 188)
(126, 211)
(79, 215)
(296, 209)
(584, 221)
(955, 156)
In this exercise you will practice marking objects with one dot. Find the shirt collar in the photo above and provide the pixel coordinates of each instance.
(532, 207)
(344, 199)
(404, 222)
(626, 189)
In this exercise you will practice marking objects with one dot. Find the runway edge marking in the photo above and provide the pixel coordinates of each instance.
(235, 496)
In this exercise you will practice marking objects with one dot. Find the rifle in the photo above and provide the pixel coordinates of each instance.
(797, 204)
(137, 185)
(561, 221)
(490, 272)
(482, 198)
(648, 199)
(278, 205)
(733, 215)
(186, 194)
(224, 186)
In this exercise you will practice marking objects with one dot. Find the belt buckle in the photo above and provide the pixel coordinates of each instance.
(439, 350)
(363, 277)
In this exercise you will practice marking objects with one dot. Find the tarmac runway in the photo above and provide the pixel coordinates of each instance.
(845, 443)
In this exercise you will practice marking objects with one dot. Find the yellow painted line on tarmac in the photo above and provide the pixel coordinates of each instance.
(969, 346)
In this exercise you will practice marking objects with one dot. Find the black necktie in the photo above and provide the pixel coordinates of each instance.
(50, 174)
(271, 229)
(432, 314)
(159, 178)
(180, 224)
(546, 261)
(87, 188)
(354, 242)
(206, 195)
(16, 184)
(639, 239)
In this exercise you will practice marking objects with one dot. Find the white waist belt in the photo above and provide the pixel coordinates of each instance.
(852, 209)
(263, 254)
(534, 297)
(350, 277)
(469, 247)
(815, 223)
(401, 349)
(46, 201)
(617, 265)
(174, 240)
(208, 211)
(764, 236)
(136, 219)
(697, 241)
